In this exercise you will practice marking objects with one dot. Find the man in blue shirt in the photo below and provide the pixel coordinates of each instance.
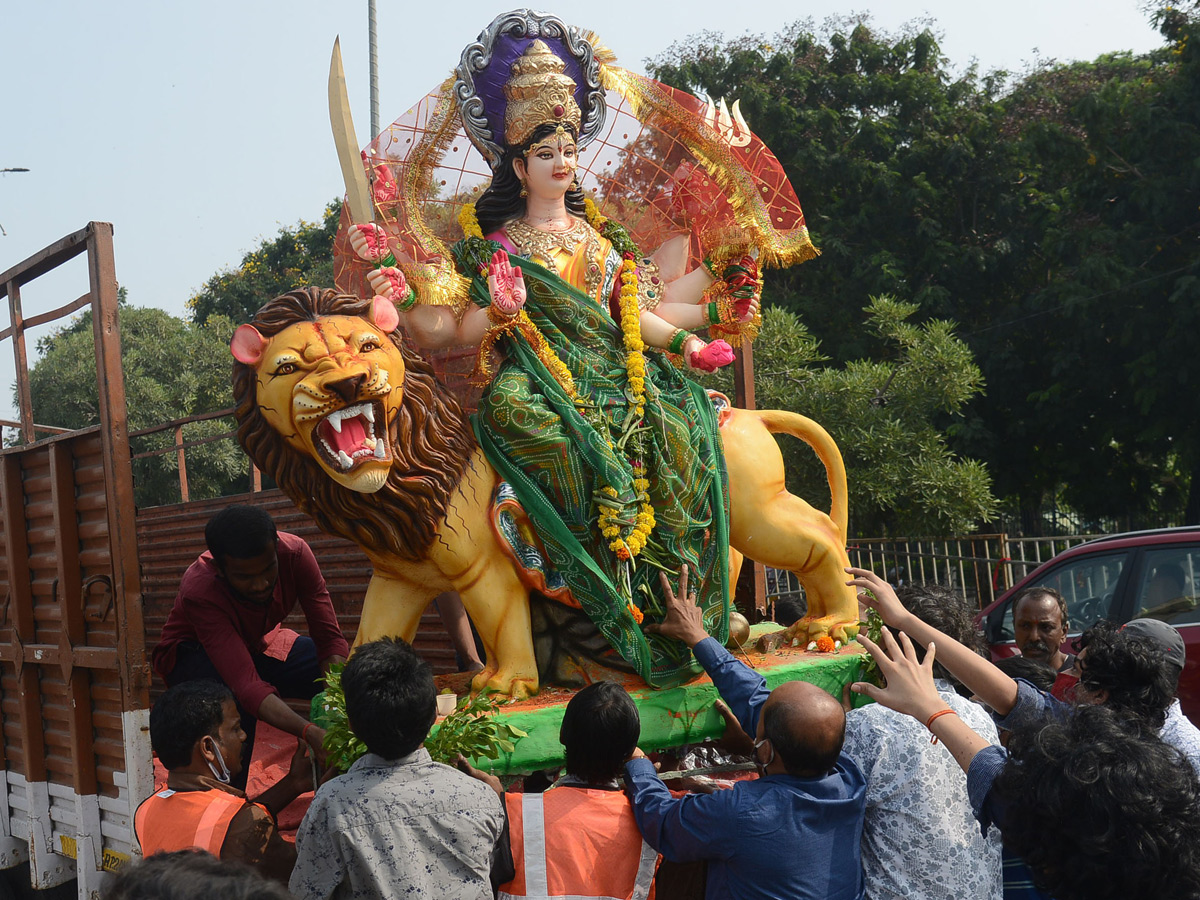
(793, 833)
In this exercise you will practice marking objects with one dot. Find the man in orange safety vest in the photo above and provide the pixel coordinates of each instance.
(196, 730)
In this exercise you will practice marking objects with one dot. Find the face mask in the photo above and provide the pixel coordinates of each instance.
(770, 759)
(222, 775)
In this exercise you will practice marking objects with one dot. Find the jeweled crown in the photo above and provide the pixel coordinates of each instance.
(538, 93)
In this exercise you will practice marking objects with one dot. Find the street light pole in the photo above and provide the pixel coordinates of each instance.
(374, 68)
(4, 233)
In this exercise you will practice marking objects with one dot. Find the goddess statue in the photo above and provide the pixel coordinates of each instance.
(588, 415)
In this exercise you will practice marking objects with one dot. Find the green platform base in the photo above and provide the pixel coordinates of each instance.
(670, 718)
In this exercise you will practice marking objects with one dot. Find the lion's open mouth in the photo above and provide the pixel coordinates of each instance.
(348, 437)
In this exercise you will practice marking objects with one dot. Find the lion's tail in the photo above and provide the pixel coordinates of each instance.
(780, 421)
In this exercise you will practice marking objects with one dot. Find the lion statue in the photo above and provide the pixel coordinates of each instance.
(354, 427)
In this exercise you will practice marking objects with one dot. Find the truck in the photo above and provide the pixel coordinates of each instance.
(86, 582)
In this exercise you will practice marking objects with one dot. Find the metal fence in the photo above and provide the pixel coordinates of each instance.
(981, 567)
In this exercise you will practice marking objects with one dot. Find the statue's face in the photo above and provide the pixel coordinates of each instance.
(330, 388)
(549, 167)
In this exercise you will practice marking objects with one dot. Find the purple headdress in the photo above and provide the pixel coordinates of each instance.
(573, 91)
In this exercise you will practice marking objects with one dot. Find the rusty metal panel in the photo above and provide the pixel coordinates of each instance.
(171, 537)
(74, 748)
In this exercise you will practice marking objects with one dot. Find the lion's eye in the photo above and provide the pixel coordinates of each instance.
(368, 346)
(285, 369)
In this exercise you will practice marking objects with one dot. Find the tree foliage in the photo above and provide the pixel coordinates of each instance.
(888, 416)
(1053, 217)
(294, 258)
(173, 369)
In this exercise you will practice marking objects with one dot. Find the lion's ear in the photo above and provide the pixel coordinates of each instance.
(384, 315)
(247, 345)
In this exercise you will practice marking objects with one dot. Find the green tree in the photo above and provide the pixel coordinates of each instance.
(294, 258)
(173, 369)
(1055, 219)
(887, 415)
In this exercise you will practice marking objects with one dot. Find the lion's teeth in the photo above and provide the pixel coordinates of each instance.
(344, 459)
(335, 420)
(369, 412)
(369, 443)
(380, 449)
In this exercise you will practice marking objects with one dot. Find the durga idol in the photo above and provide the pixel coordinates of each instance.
(585, 339)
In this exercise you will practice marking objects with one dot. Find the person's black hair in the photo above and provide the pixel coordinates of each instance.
(600, 728)
(947, 611)
(502, 202)
(1138, 675)
(1038, 591)
(240, 532)
(1100, 808)
(1041, 675)
(788, 610)
(189, 875)
(391, 701)
(803, 753)
(183, 715)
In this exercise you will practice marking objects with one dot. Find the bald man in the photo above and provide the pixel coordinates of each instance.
(793, 833)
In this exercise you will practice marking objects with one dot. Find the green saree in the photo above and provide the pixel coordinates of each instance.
(554, 457)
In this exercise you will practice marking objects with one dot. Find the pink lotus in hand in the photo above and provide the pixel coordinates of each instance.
(506, 285)
(388, 282)
(369, 242)
(711, 357)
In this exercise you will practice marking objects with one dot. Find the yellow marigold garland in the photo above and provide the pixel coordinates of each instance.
(594, 218)
(469, 222)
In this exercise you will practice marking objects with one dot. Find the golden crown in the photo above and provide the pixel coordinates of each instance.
(538, 93)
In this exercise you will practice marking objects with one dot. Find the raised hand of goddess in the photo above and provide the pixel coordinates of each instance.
(388, 282)
(506, 285)
(369, 242)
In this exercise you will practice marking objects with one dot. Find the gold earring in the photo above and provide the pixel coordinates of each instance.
(524, 191)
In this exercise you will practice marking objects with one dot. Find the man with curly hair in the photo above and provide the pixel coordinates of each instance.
(920, 839)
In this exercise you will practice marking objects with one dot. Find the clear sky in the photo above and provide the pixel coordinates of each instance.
(199, 129)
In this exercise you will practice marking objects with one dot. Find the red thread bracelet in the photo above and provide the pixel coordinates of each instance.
(937, 715)
(308, 725)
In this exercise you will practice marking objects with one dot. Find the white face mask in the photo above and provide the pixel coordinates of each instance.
(222, 775)
(770, 759)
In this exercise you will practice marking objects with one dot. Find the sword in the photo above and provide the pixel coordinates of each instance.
(358, 193)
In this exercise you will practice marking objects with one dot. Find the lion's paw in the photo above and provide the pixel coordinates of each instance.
(806, 630)
(508, 684)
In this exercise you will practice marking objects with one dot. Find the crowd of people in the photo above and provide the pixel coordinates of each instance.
(965, 779)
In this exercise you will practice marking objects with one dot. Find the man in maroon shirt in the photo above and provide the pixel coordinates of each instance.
(224, 624)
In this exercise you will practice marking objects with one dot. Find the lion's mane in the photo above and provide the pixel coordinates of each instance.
(430, 437)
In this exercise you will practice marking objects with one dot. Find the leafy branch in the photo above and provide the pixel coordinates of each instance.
(472, 729)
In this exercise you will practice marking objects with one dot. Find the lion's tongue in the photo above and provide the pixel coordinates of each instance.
(349, 439)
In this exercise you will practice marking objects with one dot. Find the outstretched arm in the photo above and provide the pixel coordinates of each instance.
(910, 690)
(992, 686)
(739, 686)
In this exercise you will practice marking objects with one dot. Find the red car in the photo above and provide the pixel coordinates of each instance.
(1121, 577)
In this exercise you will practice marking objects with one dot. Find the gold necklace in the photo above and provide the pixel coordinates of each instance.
(540, 245)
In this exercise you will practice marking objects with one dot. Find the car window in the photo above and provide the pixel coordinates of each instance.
(1167, 586)
(1087, 583)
